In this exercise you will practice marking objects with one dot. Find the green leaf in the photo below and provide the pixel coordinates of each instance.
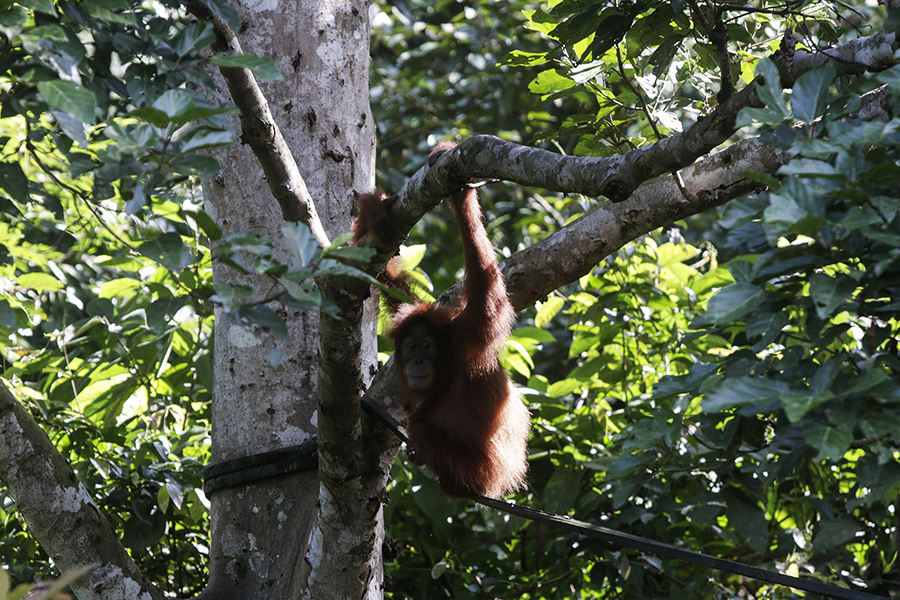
(810, 93)
(301, 244)
(261, 66)
(161, 311)
(876, 478)
(14, 182)
(412, 255)
(194, 37)
(70, 98)
(207, 225)
(12, 20)
(629, 465)
(743, 391)
(124, 287)
(664, 53)
(548, 81)
(264, 317)
(358, 254)
(540, 21)
(548, 309)
(7, 315)
(808, 167)
(305, 294)
(40, 282)
(533, 334)
(831, 443)
(169, 250)
(770, 90)
(562, 490)
(732, 303)
(44, 6)
(563, 387)
(830, 293)
(797, 404)
(834, 533)
(203, 138)
(151, 115)
(747, 519)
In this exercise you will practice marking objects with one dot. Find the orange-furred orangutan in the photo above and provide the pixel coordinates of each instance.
(466, 420)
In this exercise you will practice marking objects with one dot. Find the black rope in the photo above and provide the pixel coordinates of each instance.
(240, 471)
(641, 543)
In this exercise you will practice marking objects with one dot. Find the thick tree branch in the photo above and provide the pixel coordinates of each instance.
(60, 512)
(576, 249)
(352, 478)
(866, 54)
(260, 131)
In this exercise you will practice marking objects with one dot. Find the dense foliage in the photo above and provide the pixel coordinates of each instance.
(730, 385)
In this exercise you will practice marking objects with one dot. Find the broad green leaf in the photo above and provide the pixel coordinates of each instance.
(301, 244)
(732, 303)
(540, 21)
(521, 58)
(830, 293)
(629, 465)
(783, 214)
(161, 311)
(169, 250)
(207, 225)
(12, 20)
(876, 478)
(194, 37)
(7, 315)
(261, 66)
(742, 391)
(205, 138)
(771, 92)
(40, 282)
(162, 498)
(835, 532)
(124, 287)
(412, 255)
(264, 317)
(549, 81)
(808, 167)
(830, 442)
(69, 98)
(797, 404)
(533, 334)
(562, 490)
(748, 519)
(810, 93)
(305, 294)
(564, 387)
(13, 181)
(548, 310)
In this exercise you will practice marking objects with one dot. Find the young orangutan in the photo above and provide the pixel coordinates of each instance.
(466, 420)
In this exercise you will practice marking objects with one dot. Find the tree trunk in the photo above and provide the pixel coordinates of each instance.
(261, 531)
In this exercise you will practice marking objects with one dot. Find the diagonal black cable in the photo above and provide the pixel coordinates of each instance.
(641, 543)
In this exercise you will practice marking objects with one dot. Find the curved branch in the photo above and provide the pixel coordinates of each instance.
(576, 249)
(60, 512)
(260, 131)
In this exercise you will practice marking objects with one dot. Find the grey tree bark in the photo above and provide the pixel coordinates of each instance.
(268, 538)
